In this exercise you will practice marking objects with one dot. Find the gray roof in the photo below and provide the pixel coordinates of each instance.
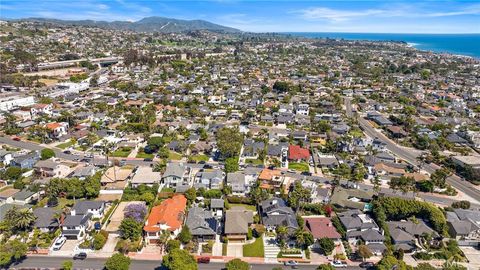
(7, 206)
(355, 219)
(45, 217)
(81, 207)
(237, 221)
(217, 203)
(72, 221)
(201, 222)
(275, 212)
(23, 194)
(174, 169)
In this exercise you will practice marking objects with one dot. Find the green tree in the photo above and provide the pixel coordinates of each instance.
(326, 245)
(191, 195)
(402, 183)
(12, 251)
(325, 266)
(298, 195)
(364, 252)
(172, 244)
(47, 153)
(229, 142)
(237, 264)
(118, 261)
(12, 173)
(131, 229)
(231, 165)
(439, 177)
(185, 236)
(461, 204)
(67, 265)
(179, 259)
(99, 241)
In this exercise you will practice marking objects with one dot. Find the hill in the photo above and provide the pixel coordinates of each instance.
(148, 24)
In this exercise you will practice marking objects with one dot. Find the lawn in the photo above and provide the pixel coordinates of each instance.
(246, 206)
(65, 145)
(174, 156)
(122, 152)
(144, 155)
(198, 158)
(299, 166)
(255, 161)
(62, 203)
(254, 249)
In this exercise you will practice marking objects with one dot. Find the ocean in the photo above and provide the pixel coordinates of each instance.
(461, 44)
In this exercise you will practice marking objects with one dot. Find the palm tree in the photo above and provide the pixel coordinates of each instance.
(163, 239)
(282, 233)
(300, 237)
(24, 219)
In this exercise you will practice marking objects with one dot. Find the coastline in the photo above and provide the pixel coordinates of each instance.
(462, 45)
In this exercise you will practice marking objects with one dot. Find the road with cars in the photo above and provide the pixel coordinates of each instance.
(411, 156)
(44, 262)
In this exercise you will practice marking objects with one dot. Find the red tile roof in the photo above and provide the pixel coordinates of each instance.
(296, 152)
(321, 227)
(170, 212)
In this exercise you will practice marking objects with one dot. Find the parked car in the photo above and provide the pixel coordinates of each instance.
(367, 265)
(16, 138)
(338, 264)
(57, 245)
(68, 152)
(148, 159)
(203, 259)
(293, 264)
(80, 256)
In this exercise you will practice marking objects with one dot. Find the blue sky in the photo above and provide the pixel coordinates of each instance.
(414, 16)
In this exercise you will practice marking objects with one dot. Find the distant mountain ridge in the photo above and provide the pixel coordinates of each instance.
(148, 24)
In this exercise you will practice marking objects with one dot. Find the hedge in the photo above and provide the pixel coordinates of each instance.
(398, 209)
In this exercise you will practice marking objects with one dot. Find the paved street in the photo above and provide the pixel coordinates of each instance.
(95, 263)
(410, 155)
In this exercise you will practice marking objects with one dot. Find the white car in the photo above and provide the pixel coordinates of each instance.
(338, 264)
(57, 245)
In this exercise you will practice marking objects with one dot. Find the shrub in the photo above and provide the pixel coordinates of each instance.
(99, 241)
(47, 153)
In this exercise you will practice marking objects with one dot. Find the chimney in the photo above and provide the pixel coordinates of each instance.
(73, 212)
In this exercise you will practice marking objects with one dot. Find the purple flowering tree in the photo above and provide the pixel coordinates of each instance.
(137, 211)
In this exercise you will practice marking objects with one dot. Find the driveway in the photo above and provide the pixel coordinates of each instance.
(235, 250)
(67, 249)
(472, 254)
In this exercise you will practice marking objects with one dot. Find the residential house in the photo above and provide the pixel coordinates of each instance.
(167, 216)
(405, 233)
(237, 223)
(211, 179)
(321, 227)
(50, 169)
(176, 174)
(95, 208)
(5, 157)
(464, 225)
(351, 198)
(297, 153)
(144, 175)
(47, 219)
(57, 130)
(201, 223)
(274, 212)
(25, 197)
(25, 161)
(217, 206)
(360, 226)
(236, 181)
